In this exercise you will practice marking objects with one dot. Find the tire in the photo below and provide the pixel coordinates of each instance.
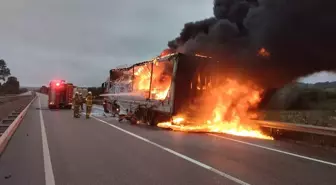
(153, 119)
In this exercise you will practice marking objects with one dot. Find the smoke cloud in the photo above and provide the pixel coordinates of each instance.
(299, 35)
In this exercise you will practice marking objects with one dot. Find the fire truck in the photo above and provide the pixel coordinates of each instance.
(60, 94)
(154, 91)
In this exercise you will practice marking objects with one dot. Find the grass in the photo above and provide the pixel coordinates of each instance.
(326, 118)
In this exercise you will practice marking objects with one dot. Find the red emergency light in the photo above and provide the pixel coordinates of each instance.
(58, 83)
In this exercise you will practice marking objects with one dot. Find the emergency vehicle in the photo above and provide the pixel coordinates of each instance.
(60, 94)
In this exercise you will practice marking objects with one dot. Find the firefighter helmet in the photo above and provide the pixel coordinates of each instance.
(90, 92)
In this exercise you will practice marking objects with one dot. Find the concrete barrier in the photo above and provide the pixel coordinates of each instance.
(6, 136)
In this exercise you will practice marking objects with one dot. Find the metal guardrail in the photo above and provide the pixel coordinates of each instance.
(297, 127)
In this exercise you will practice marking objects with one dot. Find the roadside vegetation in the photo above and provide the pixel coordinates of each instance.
(313, 104)
(8, 84)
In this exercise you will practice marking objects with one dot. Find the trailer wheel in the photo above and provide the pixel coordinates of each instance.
(153, 118)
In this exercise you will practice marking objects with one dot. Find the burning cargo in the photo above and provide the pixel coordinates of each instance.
(162, 85)
(186, 93)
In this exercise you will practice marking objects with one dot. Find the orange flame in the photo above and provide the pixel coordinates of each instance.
(160, 81)
(142, 78)
(263, 52)
(224, 110)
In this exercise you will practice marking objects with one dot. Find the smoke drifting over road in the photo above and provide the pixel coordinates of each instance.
(299, 36)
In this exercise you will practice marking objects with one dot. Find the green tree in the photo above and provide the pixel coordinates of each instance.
(4, 70)
(11, 86)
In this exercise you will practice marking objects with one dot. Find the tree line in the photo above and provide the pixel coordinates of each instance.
(8, 84)
(96, 91)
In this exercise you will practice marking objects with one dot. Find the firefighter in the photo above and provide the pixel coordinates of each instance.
(105, 104)
(76, 105)
(88, 104)
(81, 101)
(115, 108)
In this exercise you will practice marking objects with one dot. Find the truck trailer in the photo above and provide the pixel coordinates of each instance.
(44, 90)
(60, 94)
(156, 90)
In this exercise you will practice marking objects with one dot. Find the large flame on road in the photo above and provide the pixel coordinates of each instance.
(157, 80)
(224, 109)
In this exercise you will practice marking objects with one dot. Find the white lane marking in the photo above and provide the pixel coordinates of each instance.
(276, 150)
(48, 171)
(236, 180)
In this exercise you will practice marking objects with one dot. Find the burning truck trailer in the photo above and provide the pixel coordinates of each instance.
(184, 93)
(256, 38)
(156, 90)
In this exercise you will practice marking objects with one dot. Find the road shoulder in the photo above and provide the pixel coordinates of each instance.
(22, 160)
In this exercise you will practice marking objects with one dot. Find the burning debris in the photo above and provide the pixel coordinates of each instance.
(224, 109)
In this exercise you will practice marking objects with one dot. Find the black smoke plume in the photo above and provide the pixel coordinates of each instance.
(300, 36)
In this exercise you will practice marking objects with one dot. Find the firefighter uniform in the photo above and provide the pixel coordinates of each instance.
(81, 101)
(76, 105)
(88, 104)
(115, 108)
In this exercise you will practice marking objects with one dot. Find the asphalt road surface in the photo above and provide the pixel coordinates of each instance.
(51, 147)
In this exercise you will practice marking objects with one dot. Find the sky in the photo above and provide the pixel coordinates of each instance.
(81, 40)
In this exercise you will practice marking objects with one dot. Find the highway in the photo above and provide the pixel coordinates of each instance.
(51, 147)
